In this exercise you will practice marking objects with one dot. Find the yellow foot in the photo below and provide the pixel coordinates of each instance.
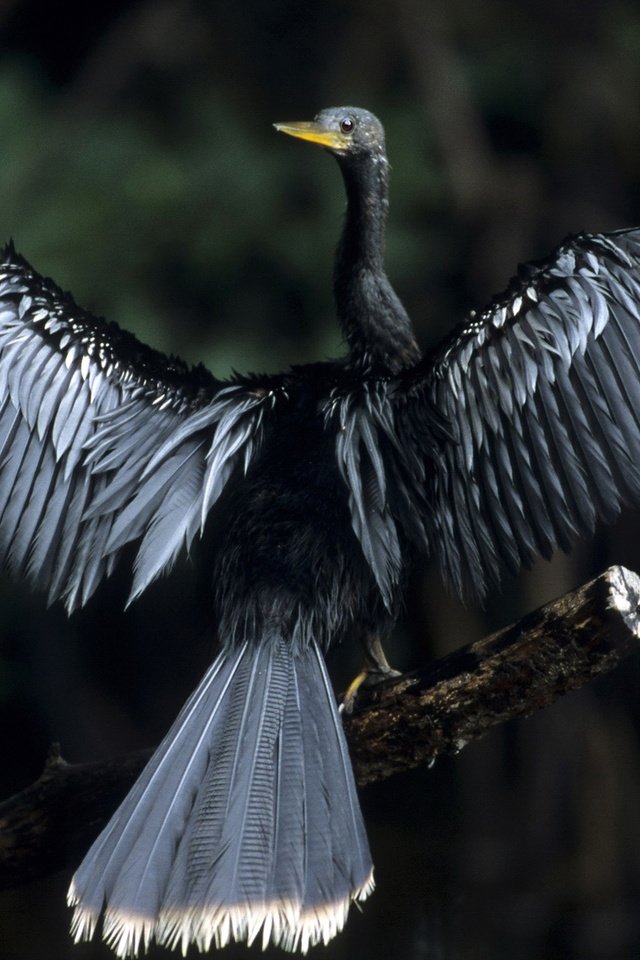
(376, 670)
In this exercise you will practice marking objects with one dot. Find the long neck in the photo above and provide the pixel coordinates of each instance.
(374, 322)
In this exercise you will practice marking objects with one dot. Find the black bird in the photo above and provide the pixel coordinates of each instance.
(512, 438)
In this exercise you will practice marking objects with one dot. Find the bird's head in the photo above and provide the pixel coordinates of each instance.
(347, 132)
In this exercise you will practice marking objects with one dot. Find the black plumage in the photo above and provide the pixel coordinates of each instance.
(512, 438)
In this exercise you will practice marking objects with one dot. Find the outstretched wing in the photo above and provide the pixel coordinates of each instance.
(540, 400)
(103, 441)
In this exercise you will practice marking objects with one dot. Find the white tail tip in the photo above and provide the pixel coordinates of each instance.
(283, 923)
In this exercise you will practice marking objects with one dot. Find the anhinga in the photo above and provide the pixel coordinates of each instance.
(512, 438)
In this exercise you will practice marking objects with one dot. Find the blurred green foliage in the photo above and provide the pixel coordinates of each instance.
(154, 229)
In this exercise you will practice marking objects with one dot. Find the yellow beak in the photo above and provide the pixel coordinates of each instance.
(312, 131)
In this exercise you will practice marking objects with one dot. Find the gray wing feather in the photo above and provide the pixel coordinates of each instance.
(362, 427)
(104, 441)
(541, 395)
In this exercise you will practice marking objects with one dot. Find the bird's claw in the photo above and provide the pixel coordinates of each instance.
(376, 671)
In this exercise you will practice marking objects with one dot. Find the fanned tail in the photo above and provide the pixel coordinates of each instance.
(244, 825)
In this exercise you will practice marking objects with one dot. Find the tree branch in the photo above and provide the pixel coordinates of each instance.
(407, 722)
(511, 673)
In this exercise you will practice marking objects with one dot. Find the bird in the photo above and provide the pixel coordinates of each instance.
(511, 438)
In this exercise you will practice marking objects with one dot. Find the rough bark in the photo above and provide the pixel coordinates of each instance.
(406, 722)
(511, 673)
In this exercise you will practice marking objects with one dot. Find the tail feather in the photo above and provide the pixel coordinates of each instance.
(230, 825)
(127, 866)
(245, 823)
(287, 876)
(336, 833)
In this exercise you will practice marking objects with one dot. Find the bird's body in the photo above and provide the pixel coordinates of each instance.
(287, 534)
(512, 438)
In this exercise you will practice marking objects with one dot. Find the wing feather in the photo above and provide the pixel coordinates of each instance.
(361, 428)
(541, 396)
(104, 441)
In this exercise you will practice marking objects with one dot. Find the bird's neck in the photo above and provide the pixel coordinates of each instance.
(374, 322)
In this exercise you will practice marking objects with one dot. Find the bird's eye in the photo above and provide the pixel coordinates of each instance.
(347, 125)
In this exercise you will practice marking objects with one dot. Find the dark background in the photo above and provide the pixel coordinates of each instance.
(138, 168)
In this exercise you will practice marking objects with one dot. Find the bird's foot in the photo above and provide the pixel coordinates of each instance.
(376, 670)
